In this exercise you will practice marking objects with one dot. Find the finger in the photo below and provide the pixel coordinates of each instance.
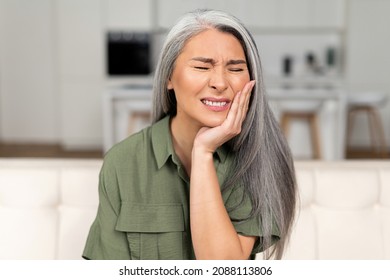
(232, 114)
(238, 109)
(244, 103)
(248, 98)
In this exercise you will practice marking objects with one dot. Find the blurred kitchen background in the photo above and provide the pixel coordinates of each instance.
(76, 75)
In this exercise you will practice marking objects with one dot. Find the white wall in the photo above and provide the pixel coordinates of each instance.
(28, 105)
(368, 57)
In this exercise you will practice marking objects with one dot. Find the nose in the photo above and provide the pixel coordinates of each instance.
(218, 80)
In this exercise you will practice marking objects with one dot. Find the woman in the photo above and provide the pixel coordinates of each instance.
(212, 178)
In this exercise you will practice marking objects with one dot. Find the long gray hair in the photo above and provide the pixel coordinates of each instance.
(263, 162)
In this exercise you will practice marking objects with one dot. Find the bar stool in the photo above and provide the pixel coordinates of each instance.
(368, 103)
(307, 111)
(138, 120)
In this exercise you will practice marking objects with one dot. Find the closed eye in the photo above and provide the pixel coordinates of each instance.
(236, 69)
(201, 68)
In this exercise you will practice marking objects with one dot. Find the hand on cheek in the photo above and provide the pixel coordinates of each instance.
(239, 109)
(210, 139)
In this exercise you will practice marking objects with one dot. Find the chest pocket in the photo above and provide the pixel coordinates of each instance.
(154, 231)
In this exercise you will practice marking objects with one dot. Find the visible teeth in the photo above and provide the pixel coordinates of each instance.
(213, 103)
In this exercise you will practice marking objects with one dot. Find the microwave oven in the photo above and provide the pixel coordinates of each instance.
(128, 53)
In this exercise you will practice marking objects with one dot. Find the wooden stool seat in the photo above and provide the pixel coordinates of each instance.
(312, 119)
(370, 108)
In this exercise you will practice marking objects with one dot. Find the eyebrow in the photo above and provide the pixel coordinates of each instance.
(236, 61)
(212, 61)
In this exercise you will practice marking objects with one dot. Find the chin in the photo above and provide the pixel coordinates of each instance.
(213, 121)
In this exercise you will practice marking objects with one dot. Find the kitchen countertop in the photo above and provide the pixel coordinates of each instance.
(330, 105)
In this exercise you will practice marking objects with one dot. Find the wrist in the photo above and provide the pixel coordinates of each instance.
(202, 152)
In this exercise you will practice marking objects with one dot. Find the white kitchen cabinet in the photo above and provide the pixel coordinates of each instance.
(260, 13)
(274, 14)
(81, 71)
(28, 103)
(80, 39)
(328, 14)
(312, 13)
(129, 14)
(81, 115)
(167, 15)
(294, 13)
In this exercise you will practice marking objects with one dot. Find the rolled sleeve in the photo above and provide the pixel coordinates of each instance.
(103, 241)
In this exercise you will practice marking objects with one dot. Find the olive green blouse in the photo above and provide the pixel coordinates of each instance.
(143, 208)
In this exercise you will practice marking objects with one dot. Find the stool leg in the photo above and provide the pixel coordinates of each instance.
(377, 133)
(314, 131)
(373, 128)
(285, 124)
(350, 125)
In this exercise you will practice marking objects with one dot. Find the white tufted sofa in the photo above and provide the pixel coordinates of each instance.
(48, 205)
(344, 211)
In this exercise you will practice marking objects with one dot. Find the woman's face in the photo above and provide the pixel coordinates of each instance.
(208, 73)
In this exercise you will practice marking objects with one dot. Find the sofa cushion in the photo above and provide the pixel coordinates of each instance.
(48, 205)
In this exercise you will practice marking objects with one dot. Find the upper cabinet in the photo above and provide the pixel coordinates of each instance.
(328, 14)
(129, 14)
(80, 39)
(311, 14)
(28, 107)
(263, 14)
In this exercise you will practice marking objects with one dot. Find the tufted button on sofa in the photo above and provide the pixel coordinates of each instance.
(48, 205)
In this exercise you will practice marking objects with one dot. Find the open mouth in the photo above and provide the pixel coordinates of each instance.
(214, 103)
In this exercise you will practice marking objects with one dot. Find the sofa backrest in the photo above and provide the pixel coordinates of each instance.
(344, 211)
(47, 207)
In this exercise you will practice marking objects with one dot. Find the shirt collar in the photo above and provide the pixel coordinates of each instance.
(163, 147)
(162, 141)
